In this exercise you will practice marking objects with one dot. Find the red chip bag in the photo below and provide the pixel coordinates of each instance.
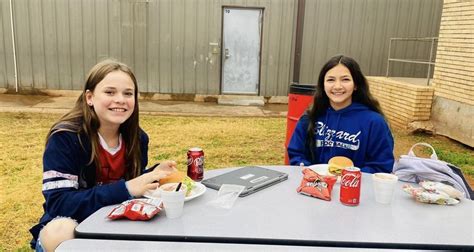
(316, 185)
(136, 209)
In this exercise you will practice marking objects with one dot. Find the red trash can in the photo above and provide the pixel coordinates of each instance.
(299, 99)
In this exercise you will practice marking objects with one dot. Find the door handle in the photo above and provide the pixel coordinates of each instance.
(227, 54)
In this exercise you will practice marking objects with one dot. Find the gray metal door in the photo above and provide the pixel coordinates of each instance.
(241, 50)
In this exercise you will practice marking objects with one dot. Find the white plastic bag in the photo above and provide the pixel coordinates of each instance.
(226, 196)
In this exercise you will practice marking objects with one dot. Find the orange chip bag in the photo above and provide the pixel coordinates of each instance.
(316, 185)
(136, 209)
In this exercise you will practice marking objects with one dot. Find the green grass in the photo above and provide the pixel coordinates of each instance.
(447, 150)
(459, 159)
(226, 142)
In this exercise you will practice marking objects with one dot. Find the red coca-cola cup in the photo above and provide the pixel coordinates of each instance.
(351, 179)
(196, 163)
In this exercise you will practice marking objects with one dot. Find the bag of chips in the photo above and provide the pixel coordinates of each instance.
(136, 209)
(316, 185)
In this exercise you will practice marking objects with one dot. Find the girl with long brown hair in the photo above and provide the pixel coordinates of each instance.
(95, 155)
(345, 120)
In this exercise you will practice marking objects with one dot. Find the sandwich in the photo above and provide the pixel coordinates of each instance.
(337, 164)
(177, 177)
(173, 177)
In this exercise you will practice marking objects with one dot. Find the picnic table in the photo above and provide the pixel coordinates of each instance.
(98, 245)
(278, 215)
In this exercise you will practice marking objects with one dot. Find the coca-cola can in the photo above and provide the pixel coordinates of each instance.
(196, 163)
(351, 180)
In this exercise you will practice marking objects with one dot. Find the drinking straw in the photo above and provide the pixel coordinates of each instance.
(179, 186)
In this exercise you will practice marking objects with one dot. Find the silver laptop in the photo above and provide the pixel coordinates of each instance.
(254, 178)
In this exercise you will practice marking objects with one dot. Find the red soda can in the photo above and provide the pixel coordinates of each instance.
(351, 179)
(196, 163)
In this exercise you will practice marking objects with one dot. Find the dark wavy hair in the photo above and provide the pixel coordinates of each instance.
(361, 93)
(82, 119)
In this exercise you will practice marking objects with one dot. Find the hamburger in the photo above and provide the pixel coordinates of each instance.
(176, 177)
(337, 164)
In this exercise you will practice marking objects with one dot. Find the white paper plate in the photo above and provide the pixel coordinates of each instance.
(198, 190)
(322, 169)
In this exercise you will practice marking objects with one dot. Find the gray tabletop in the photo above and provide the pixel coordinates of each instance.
(122, 245)
(279, 215)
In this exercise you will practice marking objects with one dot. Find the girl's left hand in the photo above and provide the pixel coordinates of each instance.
(168, 165)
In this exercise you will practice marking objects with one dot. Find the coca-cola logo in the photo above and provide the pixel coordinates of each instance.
(350, 180)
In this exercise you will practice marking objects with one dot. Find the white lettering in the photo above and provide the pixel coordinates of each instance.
(352, 138)
(350, 180)
(198, 162)
(318, 184)
(341, 139)
(320, 129)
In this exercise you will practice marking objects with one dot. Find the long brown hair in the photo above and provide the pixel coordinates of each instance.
(82, 119)
(321, 103)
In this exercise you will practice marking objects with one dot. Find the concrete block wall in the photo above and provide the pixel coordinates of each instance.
(402, 102)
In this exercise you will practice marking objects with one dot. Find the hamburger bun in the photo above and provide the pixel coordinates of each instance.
(337, 164)
(174, 177)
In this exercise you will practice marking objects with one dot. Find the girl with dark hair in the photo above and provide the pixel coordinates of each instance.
(345, 120)
(95, 155)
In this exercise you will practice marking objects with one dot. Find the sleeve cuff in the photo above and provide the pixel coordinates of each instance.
(128, 191)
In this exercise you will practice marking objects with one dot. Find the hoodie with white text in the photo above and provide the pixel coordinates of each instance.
(355, 132)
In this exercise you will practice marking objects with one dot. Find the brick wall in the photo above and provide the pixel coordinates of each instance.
(454, 71)
(453, 79)
(402, 102)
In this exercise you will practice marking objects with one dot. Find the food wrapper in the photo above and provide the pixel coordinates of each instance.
(434, 193)
(316, 185)
(136, 209)
(442, 188)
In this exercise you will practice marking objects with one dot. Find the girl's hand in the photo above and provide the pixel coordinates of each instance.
(149, 181)
(168, 165)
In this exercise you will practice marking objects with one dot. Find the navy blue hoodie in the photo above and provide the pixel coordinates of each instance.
(69, 182)
(355, 132)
